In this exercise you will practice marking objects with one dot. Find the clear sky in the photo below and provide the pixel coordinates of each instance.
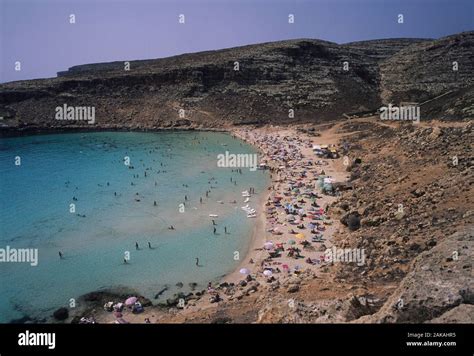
(38, 33)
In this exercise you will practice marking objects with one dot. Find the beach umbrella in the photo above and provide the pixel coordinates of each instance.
(311, 226)
(244, 271)
(131, 301)
(291, 242)
(267, 273)
(299, 236)
(285, 266)
(268, 245)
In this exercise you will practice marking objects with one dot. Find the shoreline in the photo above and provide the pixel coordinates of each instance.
(234, 286)
(277, 183)
(257, 238)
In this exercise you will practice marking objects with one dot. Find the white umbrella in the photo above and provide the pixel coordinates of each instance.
(267, 273)
(131, 301)
(268, 245)
(244, 271)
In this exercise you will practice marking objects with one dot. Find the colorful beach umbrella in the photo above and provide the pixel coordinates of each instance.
(299, 236)
(131, 301)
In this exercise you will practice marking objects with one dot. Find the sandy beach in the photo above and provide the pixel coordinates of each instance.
(333, 168)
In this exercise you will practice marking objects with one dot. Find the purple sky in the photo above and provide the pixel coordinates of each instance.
(38, 33)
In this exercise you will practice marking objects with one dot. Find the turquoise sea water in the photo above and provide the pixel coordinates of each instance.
(35, 200)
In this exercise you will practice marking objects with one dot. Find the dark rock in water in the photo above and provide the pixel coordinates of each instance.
(23, 320)
(61, 314)
(192, 285)
(224, 285)
(157, 295)
(92, 297)
(179, 285)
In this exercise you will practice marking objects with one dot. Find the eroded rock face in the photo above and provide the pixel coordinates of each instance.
(437, 284)
(307, 76)
(427, 69)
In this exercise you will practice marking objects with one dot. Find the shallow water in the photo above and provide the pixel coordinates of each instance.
(35, 200)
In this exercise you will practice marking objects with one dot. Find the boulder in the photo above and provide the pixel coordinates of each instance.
(351, 220)
(292, 288)
(61, 314)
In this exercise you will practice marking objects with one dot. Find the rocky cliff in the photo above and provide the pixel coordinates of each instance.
(306, 76)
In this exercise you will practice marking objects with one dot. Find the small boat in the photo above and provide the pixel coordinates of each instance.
(246, 200)
(213, 215)
(251, 215)
(245, 207)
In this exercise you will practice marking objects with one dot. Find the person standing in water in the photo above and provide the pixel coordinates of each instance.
(60, 255)
(197, 261)
(214, 231)
(136, 245)
(225, 229)
(149, 245)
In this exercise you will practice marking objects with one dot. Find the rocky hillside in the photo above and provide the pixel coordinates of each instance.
(304, 75)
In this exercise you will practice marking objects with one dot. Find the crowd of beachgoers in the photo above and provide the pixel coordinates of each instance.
(293, 228)
(297, 224)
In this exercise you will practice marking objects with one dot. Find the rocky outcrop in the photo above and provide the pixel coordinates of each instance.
(439, 282)
(463, 313)
(427, 69)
